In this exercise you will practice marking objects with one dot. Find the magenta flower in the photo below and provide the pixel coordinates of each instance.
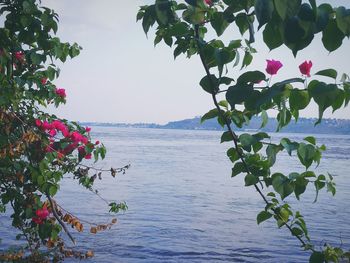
(61, 92)
(305, 68)
(208, 2)
(273, 66)
(88, 129)
(43, 81)
(38, 123)
(19, 55)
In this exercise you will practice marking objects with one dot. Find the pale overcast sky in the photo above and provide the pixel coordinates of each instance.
(121, 77)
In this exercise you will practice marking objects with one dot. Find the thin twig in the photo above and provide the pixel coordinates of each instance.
(59, 219)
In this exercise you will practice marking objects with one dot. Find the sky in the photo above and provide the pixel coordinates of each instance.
(121, 77)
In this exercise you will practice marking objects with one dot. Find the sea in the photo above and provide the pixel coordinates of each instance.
(183, 205)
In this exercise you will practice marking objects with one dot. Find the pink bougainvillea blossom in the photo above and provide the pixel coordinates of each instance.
(46, 126)
(97, 142)
(273, 66)
(88, 156)
(78, 137)
(61, 93)
(43, 81)
(52, 133)
(208, 2)
(19, 55)
(41, 215)
(305, 68)
(88, 129)
(38, 123)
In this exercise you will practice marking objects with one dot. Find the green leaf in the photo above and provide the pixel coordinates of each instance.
(250, 179)
(263, 11)
(219, 23)
(272, 35)
(242, 22)
(237, 169)
(343, 20)
(306, 13)
(282, 185)
(288, 145)
(332, 73)
(265, 118)
(306, 153)
(251, 77)
(53, 190)
(226, 137)
(232, 154)
(298, 99)
(210, 115)
(287, 8)
(300, 186)
(263, 216)
(324, 95)
(238, 94)
(247, 59)
(271, 152)
(209, 84)
(317, 257)
(310, 139)
(332, 37)
(247, 141)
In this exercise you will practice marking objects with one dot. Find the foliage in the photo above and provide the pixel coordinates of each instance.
(294, 24)
(37, 149)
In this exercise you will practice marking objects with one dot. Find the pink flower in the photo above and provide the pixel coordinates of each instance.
(61, 92)
(208, 2)
(305, 68)
(97, 142)
(43, 81)
(46, 126)
(273, 66)
(88, 156)
(38, 123)
(81, 150)
(42, 213)
(52, 133)
(88, 129)
(37, 220)
(19, 55)
(70, 148)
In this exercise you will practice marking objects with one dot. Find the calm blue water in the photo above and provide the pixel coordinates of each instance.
(184, 207)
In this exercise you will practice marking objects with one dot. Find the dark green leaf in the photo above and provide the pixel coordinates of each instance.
(332, 37)
(250, 179)
(263, 11)
(237, 169)
(317, 257)
(263, 216)
(299, 99)
(332, 73)
(282, 185)
(226, 137)
(219, 23)
(343, 20)
(210, 115)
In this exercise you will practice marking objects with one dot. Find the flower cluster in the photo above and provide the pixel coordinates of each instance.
(75, 139)
(41, 215)
(273, 66)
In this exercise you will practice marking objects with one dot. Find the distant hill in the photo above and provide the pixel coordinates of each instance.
(304, 125)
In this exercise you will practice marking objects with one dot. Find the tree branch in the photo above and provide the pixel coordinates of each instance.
(233, 134)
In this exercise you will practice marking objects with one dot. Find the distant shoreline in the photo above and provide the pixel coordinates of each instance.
(304, 125)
